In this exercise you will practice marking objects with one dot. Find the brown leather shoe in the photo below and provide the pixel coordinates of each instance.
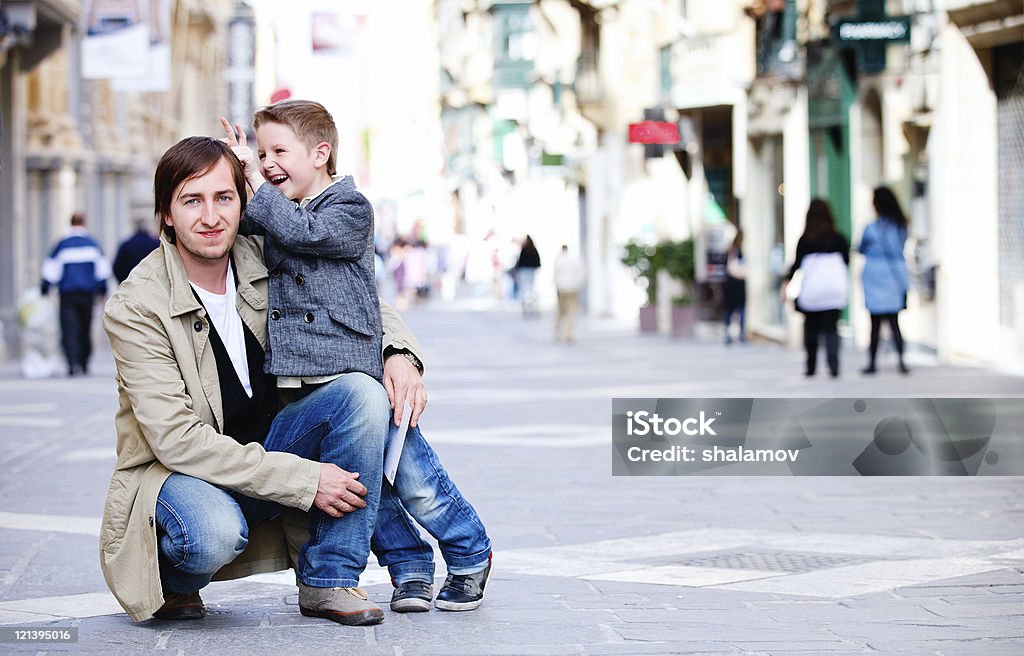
(348, 606)
(181, 607)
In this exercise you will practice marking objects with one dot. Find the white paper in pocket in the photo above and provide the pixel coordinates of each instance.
(395, 444)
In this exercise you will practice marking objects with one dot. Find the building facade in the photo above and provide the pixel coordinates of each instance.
(71, 143)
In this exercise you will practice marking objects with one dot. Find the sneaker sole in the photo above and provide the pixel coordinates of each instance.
(457, 606)
(358, 618)
(411, 606)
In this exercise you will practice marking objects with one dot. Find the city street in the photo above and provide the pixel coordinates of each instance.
(584, 562)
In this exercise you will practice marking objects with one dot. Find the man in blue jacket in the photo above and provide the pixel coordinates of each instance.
(78, 269)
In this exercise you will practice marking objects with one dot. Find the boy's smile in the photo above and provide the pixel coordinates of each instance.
(288, 164)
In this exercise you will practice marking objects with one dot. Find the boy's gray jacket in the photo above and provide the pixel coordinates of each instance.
(323, 315)
(168, 421)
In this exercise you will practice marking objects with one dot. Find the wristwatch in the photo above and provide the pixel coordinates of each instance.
(388, 352)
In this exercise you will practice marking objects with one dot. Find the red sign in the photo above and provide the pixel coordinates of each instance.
(283, 93)
(654, 132)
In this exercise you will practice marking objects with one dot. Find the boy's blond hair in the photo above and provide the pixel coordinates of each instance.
(310, 121)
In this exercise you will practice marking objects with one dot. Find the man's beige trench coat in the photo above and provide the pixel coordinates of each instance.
(169, 417)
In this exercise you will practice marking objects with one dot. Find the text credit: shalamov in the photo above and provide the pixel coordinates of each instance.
(818, 437)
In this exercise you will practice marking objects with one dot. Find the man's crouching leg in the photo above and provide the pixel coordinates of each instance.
(200, 529)
(345, 423)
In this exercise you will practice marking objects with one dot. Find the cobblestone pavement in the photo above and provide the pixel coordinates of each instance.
(585, 563)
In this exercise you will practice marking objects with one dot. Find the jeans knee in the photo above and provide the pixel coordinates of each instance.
(424, 506)
(365, 400)
(215, 549)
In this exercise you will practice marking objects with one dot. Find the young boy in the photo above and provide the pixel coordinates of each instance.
(325, 322)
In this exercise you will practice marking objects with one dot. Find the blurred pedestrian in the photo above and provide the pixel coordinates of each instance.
(77, 267)
(396, 264)
(823, 255)
(526, 272)
(418, 273)
(736, 287)
(885, 277)
(569, 277)
(133, 249)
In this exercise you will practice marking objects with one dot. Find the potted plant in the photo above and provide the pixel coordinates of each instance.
(676, 259)
(642, 259)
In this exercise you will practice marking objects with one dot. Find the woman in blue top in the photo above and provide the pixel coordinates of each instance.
(885, 276)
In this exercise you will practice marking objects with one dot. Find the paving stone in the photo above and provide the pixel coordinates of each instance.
(963, 611)
(975, 647)
(693, 647)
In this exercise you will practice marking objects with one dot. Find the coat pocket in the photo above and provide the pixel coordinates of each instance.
(355, 319)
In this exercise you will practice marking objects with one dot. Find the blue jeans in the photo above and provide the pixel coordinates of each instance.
(424, 490)
(742, 313)
(201, 528)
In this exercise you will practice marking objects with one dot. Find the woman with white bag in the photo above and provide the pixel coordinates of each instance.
(823, 256)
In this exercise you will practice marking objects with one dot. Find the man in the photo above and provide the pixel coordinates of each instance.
(208, 480)
(569, 277)
(77, 268)
(133, 250)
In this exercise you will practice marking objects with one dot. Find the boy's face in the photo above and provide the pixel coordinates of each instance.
(288, 164)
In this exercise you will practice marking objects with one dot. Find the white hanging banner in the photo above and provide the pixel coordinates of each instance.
(116, 36)
(157, 54)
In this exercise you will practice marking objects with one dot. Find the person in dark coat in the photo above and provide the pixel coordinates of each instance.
(526, 271)
(736, 287)
(822, 306)
(132, 250)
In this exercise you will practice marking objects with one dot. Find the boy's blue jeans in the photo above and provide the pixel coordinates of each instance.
(424, 490)
(201, 527)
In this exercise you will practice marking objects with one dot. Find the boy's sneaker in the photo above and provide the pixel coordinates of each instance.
(463, 591)
(412, 597)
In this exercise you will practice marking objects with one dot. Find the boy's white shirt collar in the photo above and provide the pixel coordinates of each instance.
(309, 199)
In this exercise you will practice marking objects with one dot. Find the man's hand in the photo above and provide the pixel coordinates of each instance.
(338, 491)
(403, 383)
(238, 143)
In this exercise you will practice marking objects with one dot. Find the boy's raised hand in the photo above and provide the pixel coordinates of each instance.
(236, 140)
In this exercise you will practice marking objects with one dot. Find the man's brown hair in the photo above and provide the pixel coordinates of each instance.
(190, 158)
(310, 121)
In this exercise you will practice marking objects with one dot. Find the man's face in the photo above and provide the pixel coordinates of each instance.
(205, 212)
(287, 163)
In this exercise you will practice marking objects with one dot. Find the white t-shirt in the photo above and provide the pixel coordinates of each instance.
(221, 310)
